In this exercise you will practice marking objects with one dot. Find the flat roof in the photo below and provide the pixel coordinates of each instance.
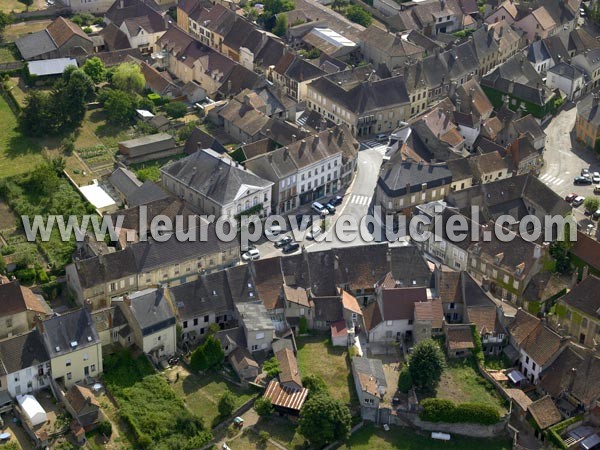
(97, 196)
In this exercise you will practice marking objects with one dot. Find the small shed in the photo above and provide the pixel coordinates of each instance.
(339, 334)
(32, 409)
(49, 67)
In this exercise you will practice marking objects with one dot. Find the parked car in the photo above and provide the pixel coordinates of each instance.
(596, 177)
(578, 201)
(597, 190)
(569, 198)
(319, 208)
(582, 181)
(336, 201)
(251, 255)
(246, 247)
(330, 208)
(313, 233)
(291, 247)
(596, 215)
(585, 172)
(382, 137)
(283, 241)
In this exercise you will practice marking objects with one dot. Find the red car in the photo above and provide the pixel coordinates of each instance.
(569, 198)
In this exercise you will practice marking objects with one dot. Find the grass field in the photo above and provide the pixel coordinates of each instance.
(202, 394)
(18, 154)
(7, 55)
(462, 383)
(282, 431)
(369, 437)
(15, 30)
(250, 441)
(317, 356)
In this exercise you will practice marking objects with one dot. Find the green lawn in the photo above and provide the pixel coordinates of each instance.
(462, 383)
(249, 441)
(202, 393)
(317, 356)
(369, 438)
(282, 431)
(18, 154)
(7, 54)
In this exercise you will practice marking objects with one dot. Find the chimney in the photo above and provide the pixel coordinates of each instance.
(336, 262)
(121, 4)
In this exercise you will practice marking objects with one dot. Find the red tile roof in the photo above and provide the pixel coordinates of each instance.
(339, 329)
(285, 397)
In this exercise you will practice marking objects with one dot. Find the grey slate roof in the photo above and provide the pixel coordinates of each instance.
(566, 71)
(589, 110)
(151, 310)
(124, 180)
(146, 193)
(209, 293)
(70, 331)
(217, 177)
(408, 176)
(254, 316)
(371, 367)
(20, 352)
(35, 44)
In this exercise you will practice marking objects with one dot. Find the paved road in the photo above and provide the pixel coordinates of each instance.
(357, 203)
(564, 158)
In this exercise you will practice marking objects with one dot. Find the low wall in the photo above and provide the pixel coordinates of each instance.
(464, 429)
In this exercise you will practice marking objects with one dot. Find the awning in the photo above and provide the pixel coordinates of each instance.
(515, 376)
(590, 442)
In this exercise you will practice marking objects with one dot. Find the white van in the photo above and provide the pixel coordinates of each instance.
(319, 208)
(382, 137)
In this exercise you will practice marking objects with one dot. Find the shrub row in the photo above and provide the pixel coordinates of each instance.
(440, 410)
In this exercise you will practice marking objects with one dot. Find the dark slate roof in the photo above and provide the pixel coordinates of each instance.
(328, 309)
(146, 193)
(370, 367)
(405, 177)
(104, 268)
(137, 13)
(20, 352)
(70, 331)
(209, 293)
(124, 180)
(537, 52)
(151, 310)
(213, 175)
(364, 96)
(566, 71)
(199, 140)
(584, 296)
(35, 44)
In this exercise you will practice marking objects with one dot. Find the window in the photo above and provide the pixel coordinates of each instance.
(9, 323)
(93, 367)
(86, 356)
(260, 335)
(527, 360)
(254, 348)
(533, 366)
(388, 323)
(68, 363)
(69, 376)
(195, 321)
(185, 324)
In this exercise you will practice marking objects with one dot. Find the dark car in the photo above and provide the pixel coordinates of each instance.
(283, 241)
(582, 180)
(291, 247)
(569, 198)
(335, 201)
(330, 208)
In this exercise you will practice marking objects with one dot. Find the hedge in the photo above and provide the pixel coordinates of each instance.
(405, 380)
(440, 410)
(477, 346)
(555, 431)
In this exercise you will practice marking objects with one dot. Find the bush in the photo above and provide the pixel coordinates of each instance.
(263, 437)
(226, 404)
(315, 384)
(303, 325)
(477, 346)
(7, 250)
(440, 410)
(207, 356)
(405, 380)
(263, 407)
(175, 109)
(105, 428)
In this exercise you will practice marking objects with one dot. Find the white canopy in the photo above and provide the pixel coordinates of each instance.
(32, 409)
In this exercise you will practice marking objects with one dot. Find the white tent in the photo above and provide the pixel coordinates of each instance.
(32, 409)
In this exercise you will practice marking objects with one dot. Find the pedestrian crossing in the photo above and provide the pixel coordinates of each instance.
(362, 200)
(549, 179)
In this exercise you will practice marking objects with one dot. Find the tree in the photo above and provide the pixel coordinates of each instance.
(271, 367)
(175, 109)
(207, 356)
(186, 131)
(71, 96)
(94, 68)
(324, 420)
(44, 179)
(263, 407)
(128, 77)
(226, 404)
(426, 365)
(119, 106)
(281, 25)
(358, 15)
(315, 384)
(36, 116)
(591, 204)
(559, 250)
(68, 144)
(4, 21)
(405, 380)
(263, 437)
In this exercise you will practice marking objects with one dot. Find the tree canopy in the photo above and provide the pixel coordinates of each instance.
(324, 420)
(358, 15)
(207, 356)
(94, 68)
(271, 367)
(426, 365)
(226, 404)
(128, 77)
